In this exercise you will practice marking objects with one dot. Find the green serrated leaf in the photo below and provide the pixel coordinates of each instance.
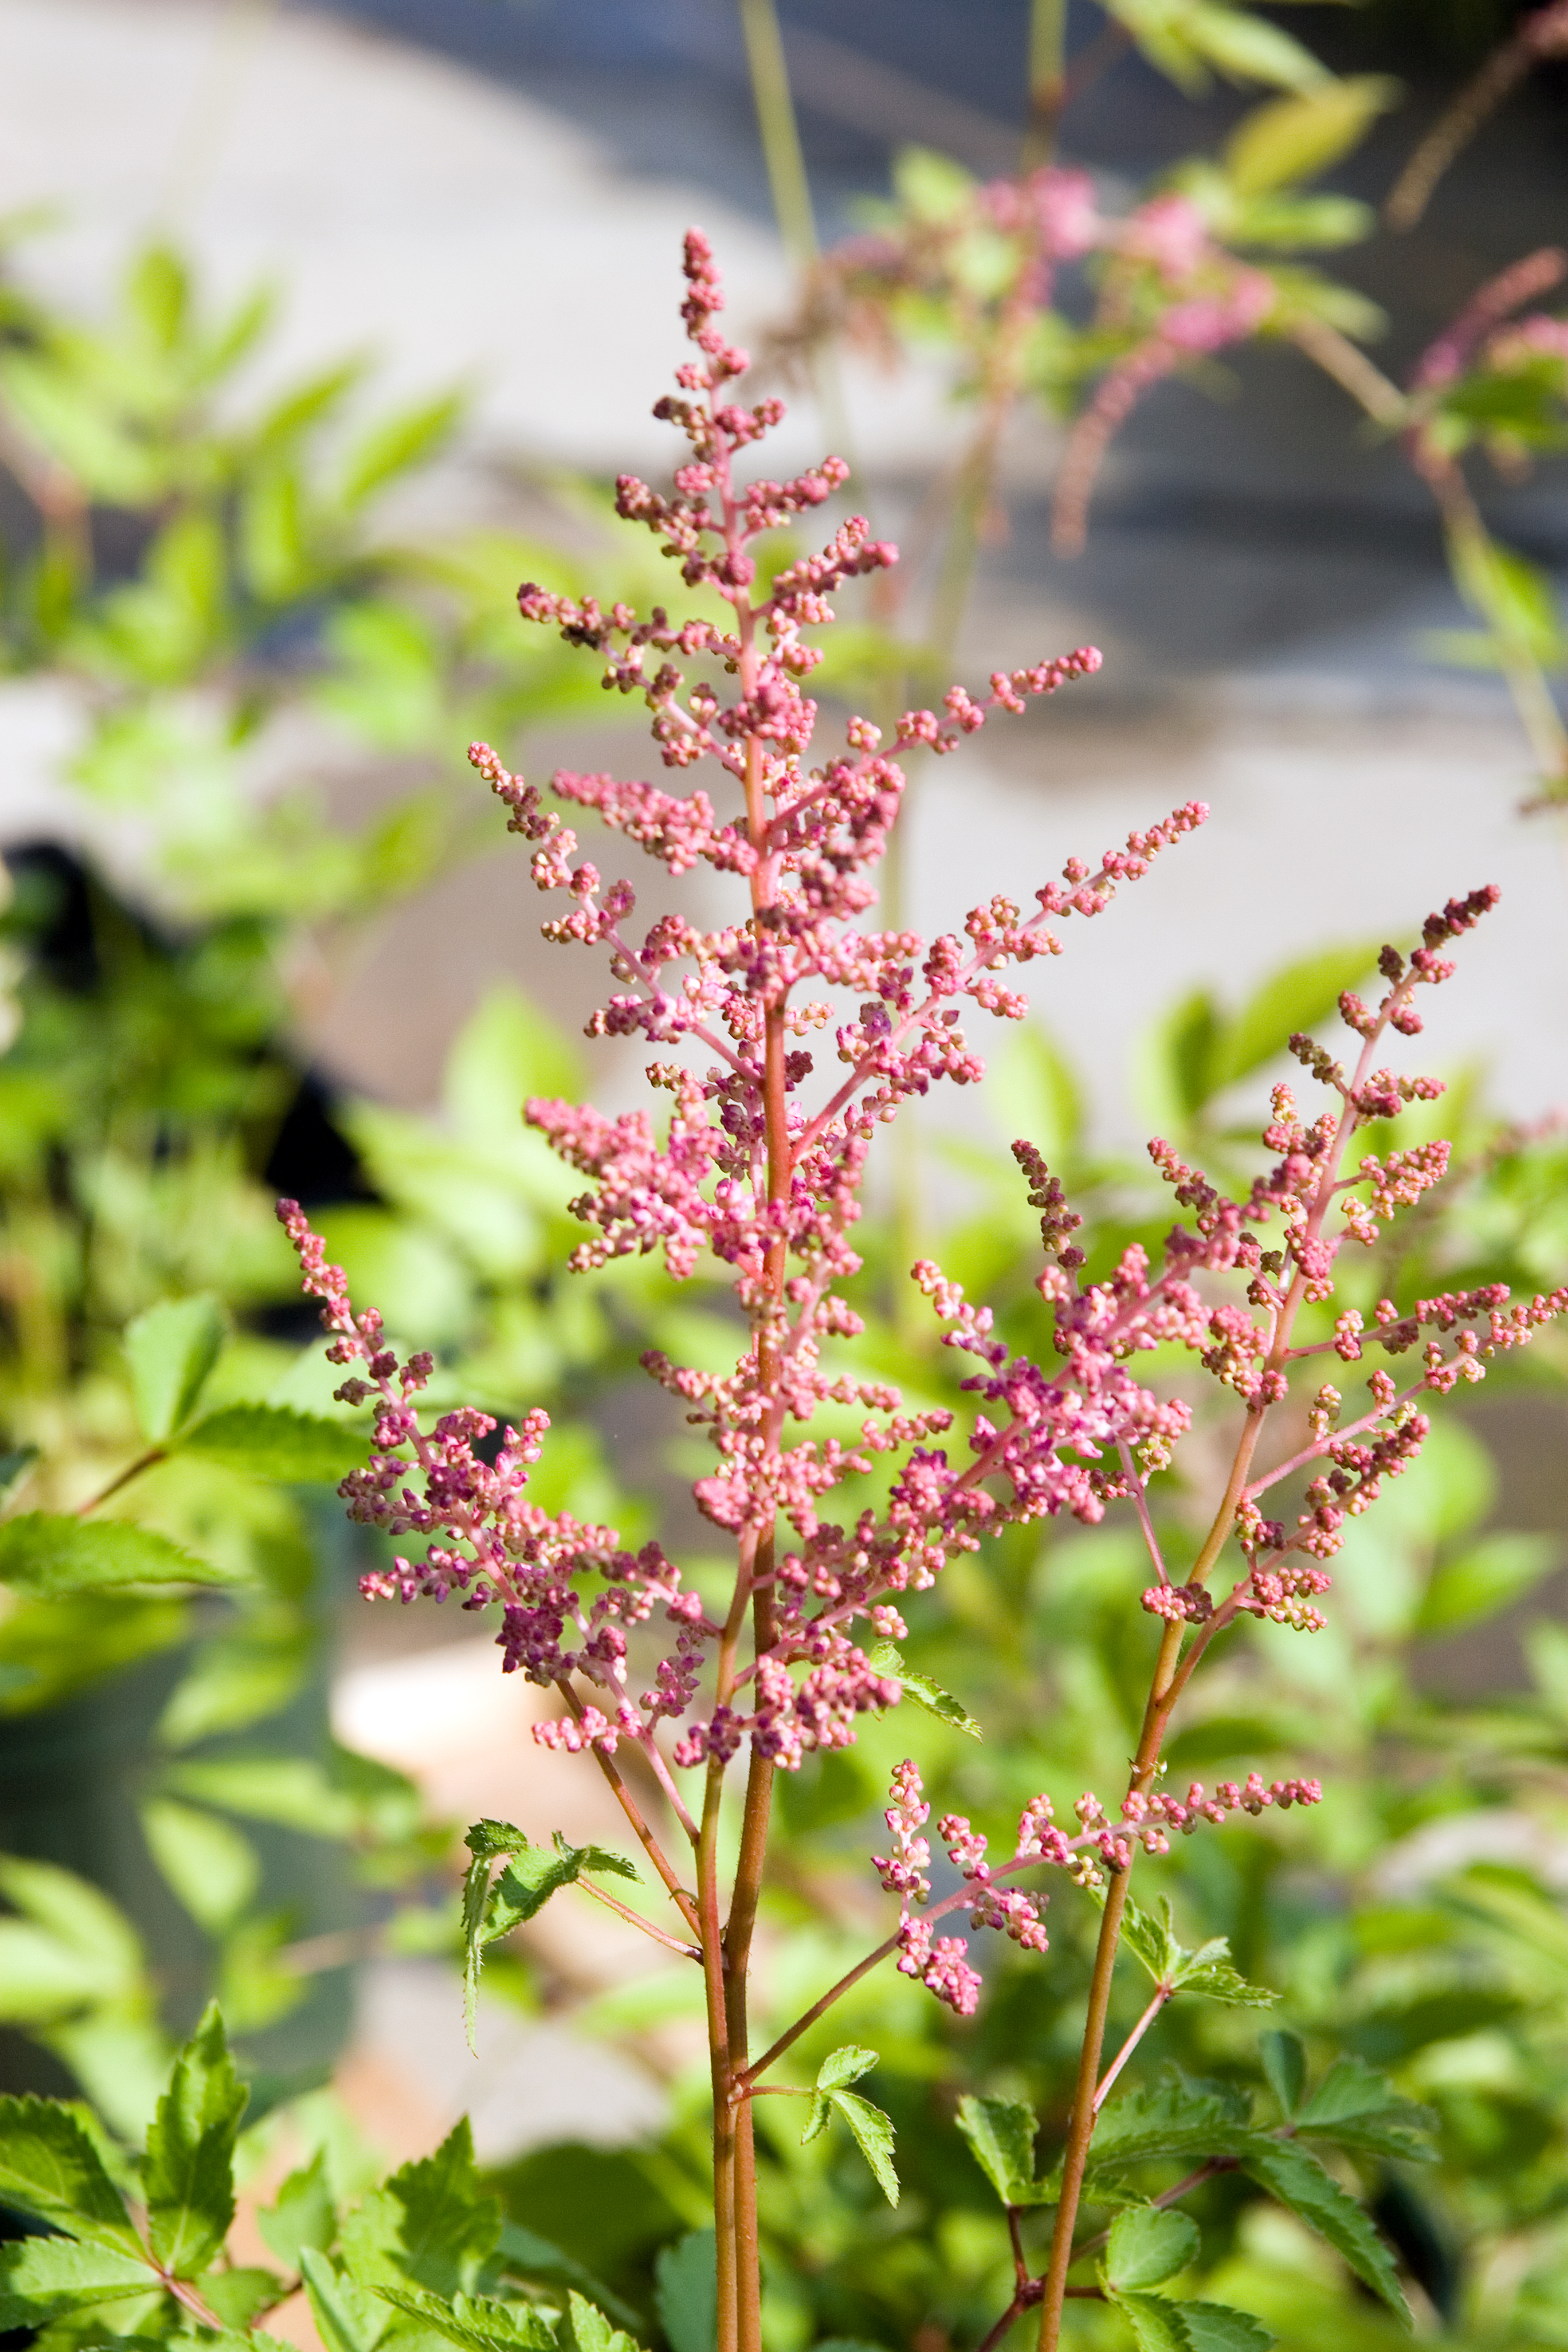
(531, 1875)
(169, 1350)
(15, 1464)
(348, 2317)
(591, 2331)
(188, 2171)
(45, 2278)
(1209, 1971)
(1357, 2108)
(1219, 2328)
(478, 2323)
(884, 1658)
(1001, 2136)
(874, 2135)
(1147, 2246)
(52, 1555)
(1285, 2064)
(844, 2067)
(1174, 2119)
(1156, 2325)
(430, 2225)
(1299, 2182)
(302, 2214)
(48, 2165)
(270, 1440)
(1150, 1939)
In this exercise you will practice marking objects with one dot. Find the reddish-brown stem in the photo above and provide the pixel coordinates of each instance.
(1168, 1681)
(640, 1829)
(1161, 1995)
(155, 1455)
(635, 1920)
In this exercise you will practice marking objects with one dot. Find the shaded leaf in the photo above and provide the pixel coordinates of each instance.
(169, 1349)
(56, 1557)
(302, 2214)
(1001, 2136)
(686, 2294)
(270, 1441)
(527, 2255)
(48, 2165)
(1285, 2064)
(1296, 2177)
(1148, 2246)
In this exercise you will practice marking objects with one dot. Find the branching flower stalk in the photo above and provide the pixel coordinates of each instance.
(760, 1169)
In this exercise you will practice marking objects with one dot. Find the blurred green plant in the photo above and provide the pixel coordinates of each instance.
(214, 582)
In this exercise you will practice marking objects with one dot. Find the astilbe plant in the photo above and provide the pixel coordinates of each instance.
(763, 1170)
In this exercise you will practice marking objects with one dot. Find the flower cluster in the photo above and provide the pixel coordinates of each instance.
(941, 1964)
(757, 1163)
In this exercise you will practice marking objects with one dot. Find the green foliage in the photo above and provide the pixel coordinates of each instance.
(1146, 2247)
(188, 2173)
(873, 2132)
(171, 1349)
(687, 2293)
(531, 1875)
(1175, 1968)
(53, 1557)
(275, 1442)
(929, 1696)
(1001, 2135)
(1296, 2177)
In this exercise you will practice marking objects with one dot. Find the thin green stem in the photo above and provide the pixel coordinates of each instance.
(779, 132)
(1048, 80)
